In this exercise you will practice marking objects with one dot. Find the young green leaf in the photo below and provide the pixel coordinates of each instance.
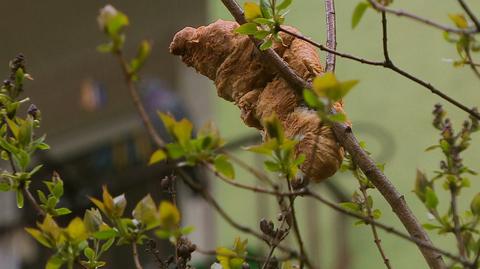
(158, 156)
(247, 29)
(223, 166)
(358, 13)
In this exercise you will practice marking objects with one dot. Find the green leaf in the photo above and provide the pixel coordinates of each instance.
(146, 212)
(175, 151)
(63, 211)
(430, 226)
(19, 199)
(252, 11)
(89, 253)
(142, 54)
(55, 262)
(223, 166)
(337, 117)
(265, 148)
(266, 44)
(351, 206)
(475, 205)
(284, 5)
(266, 9)
(105, 48)
(358, 13)
(116, 23)
(187, 230)
(273, 166)
(431, 200)
(183, 131)
(247, 29)
(459, 20)
(107, 245)
(312, 99)
(169, 215)
(158, 156)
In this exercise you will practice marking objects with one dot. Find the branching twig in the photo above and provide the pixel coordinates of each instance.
(470, 62)
(426, 21)
(376, 238)
(138, 102)
(349, 142)
(390, 66)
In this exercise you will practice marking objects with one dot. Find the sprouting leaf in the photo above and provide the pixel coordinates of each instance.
(252, 11)
(328, 86)
(92, 220)
(158, 156)
(358, 13)
(247, 29)
(284, 5)
(183, 131)
(146, 212)
(351, 206)
(431, 199)
(20, 199)
(223, 166)
(76, 230)
(54, 262)
(266, 44)
(37, 234)
(475, 205)
(312, 99)
(266, 9)
(459, 20)
(169, 215)
(142, 54)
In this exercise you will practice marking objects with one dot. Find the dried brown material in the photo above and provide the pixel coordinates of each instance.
(240, 76)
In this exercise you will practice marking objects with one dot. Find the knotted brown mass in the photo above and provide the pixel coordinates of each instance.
(235, 65)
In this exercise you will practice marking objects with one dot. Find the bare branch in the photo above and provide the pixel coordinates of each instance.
(331, 34)
(376, 238)
(402, 13)
(470, 14)
(136, 259)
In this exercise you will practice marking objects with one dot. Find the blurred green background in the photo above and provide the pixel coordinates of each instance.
(390, 113)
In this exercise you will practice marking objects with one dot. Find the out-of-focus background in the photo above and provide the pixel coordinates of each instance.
(97, 137)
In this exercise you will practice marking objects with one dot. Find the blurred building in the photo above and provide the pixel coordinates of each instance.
(94, 130)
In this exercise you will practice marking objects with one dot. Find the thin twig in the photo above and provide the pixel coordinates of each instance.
(376, 238)
(456, 222)
(307, 192)
(390, 66)
(136, 259)
(470, 62)
(209, 199)
(255, 172)
(296, 228)
(470, 14)
(331, 34)
(138, 102)
(403, 13)
(346, 138)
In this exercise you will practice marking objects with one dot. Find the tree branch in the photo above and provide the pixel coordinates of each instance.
(388, 65)
(470, 14)
(346, 138)
(402, 13)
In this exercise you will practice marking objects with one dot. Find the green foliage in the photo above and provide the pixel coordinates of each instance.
(465, 44)
(358, 13)
(203, 149)
(233, 258)
(279, 149)
(326, 91)
(264, 20)
(49, 203)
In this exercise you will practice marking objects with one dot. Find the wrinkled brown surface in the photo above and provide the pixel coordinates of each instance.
(235, 65)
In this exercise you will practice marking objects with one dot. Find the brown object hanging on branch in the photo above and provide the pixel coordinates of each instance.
(234, 64)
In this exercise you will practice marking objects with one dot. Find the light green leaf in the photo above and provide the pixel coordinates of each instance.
(247, 29)
(284, 5)
(158, 156)
(223, 166)
(358, 13)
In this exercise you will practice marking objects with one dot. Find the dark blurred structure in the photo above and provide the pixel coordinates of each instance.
(95, 133)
